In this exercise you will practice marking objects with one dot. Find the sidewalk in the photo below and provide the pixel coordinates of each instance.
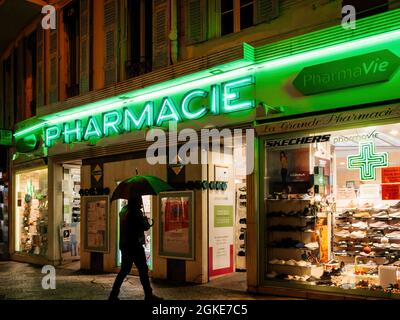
(23, 281)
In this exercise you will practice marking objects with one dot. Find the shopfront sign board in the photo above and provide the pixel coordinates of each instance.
(359, 70)
(96, 213)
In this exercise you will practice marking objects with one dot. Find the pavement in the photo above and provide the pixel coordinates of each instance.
(22, 281)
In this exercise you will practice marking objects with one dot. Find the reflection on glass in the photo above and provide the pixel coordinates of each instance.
(31, 212)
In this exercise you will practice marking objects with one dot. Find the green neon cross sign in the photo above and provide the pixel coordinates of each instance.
(367, 160)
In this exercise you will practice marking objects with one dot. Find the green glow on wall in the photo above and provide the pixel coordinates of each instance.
(186, 101)
(92, 129)
(230, 95)
(111, 121)
(168, 112)
(146, 117)
(76, 131)
(367, 161)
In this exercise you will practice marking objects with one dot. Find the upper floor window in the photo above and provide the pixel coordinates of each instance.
(72, 25)
(366, 8)
(139, 47)
(236, 15)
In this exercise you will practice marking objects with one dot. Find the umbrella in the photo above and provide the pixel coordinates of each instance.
(141, 185)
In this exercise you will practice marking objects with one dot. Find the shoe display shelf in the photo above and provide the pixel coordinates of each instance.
(292, 214)
(367, 236)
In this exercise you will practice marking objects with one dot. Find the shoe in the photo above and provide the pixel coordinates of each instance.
(274, 261)
(291, 262)
(153, 297)
(346, 214)
(366, 206)
(242, 196)
(395, 214)
(272, 275)
(241, 253)
(395, 246)
(360, 225)
(381, 214)
(378, 225)
(342, 234)
(312, 245)
(241, 236)
(302, 263)
(396, 206)
(113, 298)
(358, 235)
(395, 226)
(393, 235)
(243, 221)
(380, 207)
(243, 189)
(362, 214)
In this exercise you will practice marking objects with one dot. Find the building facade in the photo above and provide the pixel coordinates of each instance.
(303, 197)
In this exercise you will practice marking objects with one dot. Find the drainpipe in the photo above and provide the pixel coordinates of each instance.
(173, 36)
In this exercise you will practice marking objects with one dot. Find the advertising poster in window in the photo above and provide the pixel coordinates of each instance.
(176, 225)
(97, 223)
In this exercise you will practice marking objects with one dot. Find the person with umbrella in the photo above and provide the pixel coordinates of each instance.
(132, 227)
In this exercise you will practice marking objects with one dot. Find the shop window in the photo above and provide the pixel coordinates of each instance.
(367, 8)
(70, 228)
(139, 46)
(72, 30)
(332, 209)
(31, 215)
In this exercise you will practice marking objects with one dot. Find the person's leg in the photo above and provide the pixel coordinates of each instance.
(141, 265)
(126, 266)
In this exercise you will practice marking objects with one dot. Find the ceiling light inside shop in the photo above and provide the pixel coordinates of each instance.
(394, 132)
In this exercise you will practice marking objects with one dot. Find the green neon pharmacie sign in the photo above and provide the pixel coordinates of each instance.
(195, 104)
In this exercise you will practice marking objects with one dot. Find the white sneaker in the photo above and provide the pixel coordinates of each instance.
(281, 262)
(378, 224)
(312, 245)
(342, 233)
(274, 261)
(393, 235)
(358, 234)
(272, 275)
(302, 263)
(360, 225)
(381, 214)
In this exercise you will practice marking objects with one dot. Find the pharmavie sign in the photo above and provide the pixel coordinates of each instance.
(360, 70)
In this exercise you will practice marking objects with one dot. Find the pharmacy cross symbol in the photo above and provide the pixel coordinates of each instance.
(367, 160)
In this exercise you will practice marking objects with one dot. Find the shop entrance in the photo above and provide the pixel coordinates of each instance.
(228, 218)
(71, 215)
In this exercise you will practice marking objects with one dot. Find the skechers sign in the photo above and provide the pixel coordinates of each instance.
(356, 71)
(219, 99)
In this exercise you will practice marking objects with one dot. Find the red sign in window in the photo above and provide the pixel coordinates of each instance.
(391, 175)
(390, 191)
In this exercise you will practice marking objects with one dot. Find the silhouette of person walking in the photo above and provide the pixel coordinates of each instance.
(131, 244)
(284, 167)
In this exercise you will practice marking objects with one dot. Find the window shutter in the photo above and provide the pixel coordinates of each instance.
(110, 42)
(40, 67)
(196, 21)
(160, 34)
(53, 74)
(266, 10)
(84, 81)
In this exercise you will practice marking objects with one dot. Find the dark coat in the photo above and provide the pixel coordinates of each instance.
(131, 234)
